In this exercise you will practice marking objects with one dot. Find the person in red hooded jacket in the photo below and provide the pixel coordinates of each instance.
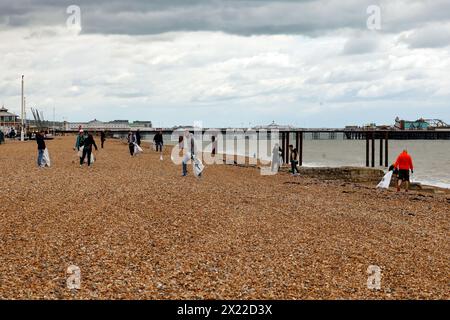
(403, 164)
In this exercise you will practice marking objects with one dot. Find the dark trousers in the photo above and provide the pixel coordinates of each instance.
(159, 146)
(103, 143)
(131, 147)
(86, 152)
(294, 168)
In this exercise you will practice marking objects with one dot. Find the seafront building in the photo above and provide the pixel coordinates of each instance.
(96, 125)
(8, 120)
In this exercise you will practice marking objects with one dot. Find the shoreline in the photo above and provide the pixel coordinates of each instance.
(441, 186)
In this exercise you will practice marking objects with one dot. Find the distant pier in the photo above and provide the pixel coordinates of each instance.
(297, 136)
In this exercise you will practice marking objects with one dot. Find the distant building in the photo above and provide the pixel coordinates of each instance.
(142, 124)
(8, 120)
(96, 125)
(274, 126)
(420, 124)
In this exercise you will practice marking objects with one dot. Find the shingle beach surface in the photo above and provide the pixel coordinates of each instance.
(138, 230)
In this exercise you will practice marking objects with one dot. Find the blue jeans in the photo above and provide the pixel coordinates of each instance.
(40, 156)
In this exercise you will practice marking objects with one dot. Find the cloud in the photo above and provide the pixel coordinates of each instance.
(361, 44)
(226, 62)
(307, 17)
(430, 36)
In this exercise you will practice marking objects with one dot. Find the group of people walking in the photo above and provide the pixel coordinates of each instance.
(134, 142)
(85, 143)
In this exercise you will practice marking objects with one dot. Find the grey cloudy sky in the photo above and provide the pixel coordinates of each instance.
(309, 63)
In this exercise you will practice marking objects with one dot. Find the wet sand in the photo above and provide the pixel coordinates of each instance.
(137, 230)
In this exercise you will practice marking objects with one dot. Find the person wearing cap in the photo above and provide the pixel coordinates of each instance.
(80, 139)
(80, 143)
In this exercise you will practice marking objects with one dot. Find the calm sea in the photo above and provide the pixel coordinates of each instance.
(431, 157)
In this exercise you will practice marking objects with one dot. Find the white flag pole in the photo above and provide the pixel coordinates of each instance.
(22, 115)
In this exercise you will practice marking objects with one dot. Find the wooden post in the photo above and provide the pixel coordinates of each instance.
(386, 150)
(300, 149)
(282, 145)
(381, 150)
(373, 149)
(287, 147)
(367, 149)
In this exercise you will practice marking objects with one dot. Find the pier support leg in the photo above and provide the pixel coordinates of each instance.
(283, 137)
(381, 151)
(299, 146)
(287, 147)
(386, 150)
(367, 150)
(300, 151)
(373, 149)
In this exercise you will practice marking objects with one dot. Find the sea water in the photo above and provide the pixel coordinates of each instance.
(431, 158)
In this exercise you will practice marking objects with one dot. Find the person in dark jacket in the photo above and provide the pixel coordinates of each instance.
(2, 137)
(12, 134)
(138, 137)
(158, 140)
(293, 159)
(80, 142)
(87, 150)
(131, 142)
(41, 147)
(102, 138)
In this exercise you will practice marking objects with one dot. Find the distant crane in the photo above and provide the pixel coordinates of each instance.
(38, 118)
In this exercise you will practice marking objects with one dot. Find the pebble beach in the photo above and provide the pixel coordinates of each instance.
(138, 230)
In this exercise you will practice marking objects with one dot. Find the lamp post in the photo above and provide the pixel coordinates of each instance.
(22, 133)
(24, 121)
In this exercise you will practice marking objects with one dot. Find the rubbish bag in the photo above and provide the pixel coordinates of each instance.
(46, 158)
(80, 152)
(198, 166)
(276, 159)
(137, 149)
(386, 181)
